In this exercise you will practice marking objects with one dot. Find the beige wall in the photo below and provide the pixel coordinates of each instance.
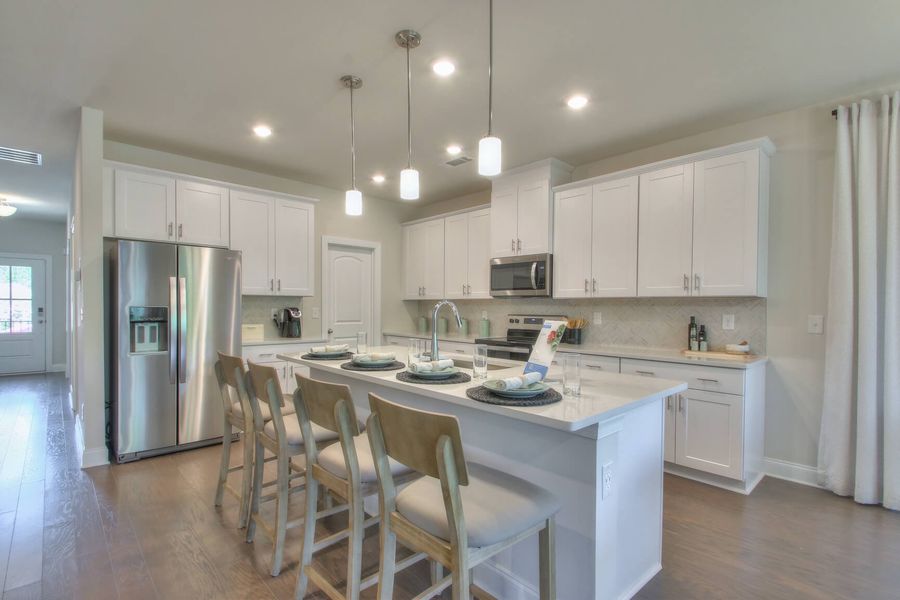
(38, 236)
(458, 203)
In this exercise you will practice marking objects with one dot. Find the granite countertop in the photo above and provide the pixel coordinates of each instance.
(280, 340)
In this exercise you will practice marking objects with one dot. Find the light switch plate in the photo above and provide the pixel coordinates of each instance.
(815, 324)
(315, 312)
(728, 322)
(598, 318)
(607, 480)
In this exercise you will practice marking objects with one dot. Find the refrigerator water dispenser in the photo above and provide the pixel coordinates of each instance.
(149, 329)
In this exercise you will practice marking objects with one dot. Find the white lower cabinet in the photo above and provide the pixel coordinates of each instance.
(267, 355)
(709, 430)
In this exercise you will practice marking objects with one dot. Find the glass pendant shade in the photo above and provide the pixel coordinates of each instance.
(409, 184)
(489, 156)
(8, 210)
(353, 203)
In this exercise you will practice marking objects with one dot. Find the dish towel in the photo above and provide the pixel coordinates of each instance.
(332, 348)
(428, 366)
(514, 383)
(377, 356)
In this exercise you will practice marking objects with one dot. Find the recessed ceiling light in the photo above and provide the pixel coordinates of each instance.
(379, 178)
(453, 149)
(443, 68)
(262, 131)
(577, 101)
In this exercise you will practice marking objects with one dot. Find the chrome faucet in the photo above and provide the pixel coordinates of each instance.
(435, 355)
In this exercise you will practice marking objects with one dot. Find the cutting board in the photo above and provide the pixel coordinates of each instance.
(719, 355)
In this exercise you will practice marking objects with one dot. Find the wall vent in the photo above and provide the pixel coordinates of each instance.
(20, 156)
(461, 160)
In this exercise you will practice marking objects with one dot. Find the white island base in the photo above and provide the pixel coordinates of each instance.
(608, 537)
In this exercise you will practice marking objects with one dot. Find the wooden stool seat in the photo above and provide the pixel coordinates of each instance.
(293, 436)
(332, 460)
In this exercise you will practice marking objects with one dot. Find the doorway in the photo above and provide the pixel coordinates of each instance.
(351, 290)
(23, 317)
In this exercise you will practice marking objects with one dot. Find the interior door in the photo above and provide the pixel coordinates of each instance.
(22, 315)
(294, 234)
(534, 218)
(665, 232)
(504, 226)
(572, 244)
(202, 213)
(350, 293)
(709, 432)
(456, 265)
(253, 235)
(614, 239)
(479, 285)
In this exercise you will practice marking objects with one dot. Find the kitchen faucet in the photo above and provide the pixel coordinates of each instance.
(435, 355)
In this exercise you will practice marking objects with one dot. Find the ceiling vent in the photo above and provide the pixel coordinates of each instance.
(460, 160)
(20, 156)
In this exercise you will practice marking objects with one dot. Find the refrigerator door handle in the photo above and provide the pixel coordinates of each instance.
(182, 329)
(173, 331)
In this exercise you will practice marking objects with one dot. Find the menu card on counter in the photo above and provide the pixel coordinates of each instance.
(545, 347)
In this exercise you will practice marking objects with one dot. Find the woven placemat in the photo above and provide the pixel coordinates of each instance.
(408, 377)
(388, 367)
(482, 394)
(343, 356)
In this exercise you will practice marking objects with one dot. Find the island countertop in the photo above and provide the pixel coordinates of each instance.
(603, 395)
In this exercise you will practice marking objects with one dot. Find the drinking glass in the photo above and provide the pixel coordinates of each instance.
(572, 374)
(414, 354)
(479, 362)
(361, 342)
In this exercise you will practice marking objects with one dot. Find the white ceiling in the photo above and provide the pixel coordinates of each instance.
(193, 77)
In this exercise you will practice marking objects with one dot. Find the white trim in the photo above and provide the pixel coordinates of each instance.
(447, 214)
(789, 471)
(496, 579)
(375, 247)
(48, 299)
(744, 487)
(95, 457)
(644, 580)
(57, 368)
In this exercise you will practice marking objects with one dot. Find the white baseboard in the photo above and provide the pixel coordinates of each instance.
(503, 583)
(90, 457)
(56, 368)
(644, 580)
(789, 471)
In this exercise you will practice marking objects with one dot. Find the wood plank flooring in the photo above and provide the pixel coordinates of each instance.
(148, 529)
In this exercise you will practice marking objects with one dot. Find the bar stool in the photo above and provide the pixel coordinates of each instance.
(284, 439)
(459, 514)
(345, 470)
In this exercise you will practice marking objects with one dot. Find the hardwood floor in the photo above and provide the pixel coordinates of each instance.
(149, 530)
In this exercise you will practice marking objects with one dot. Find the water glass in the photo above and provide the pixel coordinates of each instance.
(571, 374)
(479, 362)
(414, 354)
(361, 342)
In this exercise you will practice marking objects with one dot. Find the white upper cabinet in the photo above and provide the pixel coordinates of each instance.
(504, 221)
(666, 231)
(729, 226)
(433, 279)
(479, 285)
(423, 252)
(467, 255)
(144, 206)
(294, 248)
(534, 217)
(572, 243)
(253, 233)
(614, 238)
(201, 212)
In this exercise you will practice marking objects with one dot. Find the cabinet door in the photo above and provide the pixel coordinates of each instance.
(201, 213)
(433, 278)
(294, 253)
(504, 217)
(479, 285)
(614, 239)
(670, 425)
(414, 260)
(726, 222)
(253, 234)
(145, 206)
(534, 218)
(572, 244)
(456, 252)
(709, 432)
(665, 231)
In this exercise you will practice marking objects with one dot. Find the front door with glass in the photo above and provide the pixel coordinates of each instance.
(22, 314)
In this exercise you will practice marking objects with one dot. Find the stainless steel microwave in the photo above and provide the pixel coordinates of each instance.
(530, 275)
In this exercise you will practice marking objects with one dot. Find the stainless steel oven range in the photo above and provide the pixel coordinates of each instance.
(521, 333)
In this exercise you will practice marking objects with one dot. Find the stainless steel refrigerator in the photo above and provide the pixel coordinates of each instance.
(169, 309)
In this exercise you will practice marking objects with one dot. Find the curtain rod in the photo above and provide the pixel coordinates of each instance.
(834, 112)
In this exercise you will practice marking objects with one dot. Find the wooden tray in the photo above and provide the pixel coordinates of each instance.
(720, 355)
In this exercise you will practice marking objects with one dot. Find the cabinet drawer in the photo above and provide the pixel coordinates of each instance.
(267, 354)
(607, 364)
(710, 379)
(393, 340)
(455, 347)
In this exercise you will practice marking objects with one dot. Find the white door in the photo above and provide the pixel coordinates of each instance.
(479, 285)
(504, 219)
(433, 278)
(414, 260)
(144, 206)
(253, 234)
(294, 232)
(456, 250)
(614, 239)
(665, 230)
(726, 225)
(202, 213)
(22, 315)
(349, 297)
(709, 432)
(534, 218)
(572, 243)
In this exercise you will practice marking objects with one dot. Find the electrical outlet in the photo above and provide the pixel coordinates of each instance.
(316, 314)
(598, 318)
(275, 313)
(607, 479)
(484, 314)
(815, 324)
(728, 322)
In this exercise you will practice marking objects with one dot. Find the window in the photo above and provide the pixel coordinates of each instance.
(15, 299)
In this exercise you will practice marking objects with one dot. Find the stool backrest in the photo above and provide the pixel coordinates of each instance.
(324, 402)
(265, 387)
(230, 373)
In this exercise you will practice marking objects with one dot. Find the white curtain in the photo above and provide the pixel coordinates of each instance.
(859, 441)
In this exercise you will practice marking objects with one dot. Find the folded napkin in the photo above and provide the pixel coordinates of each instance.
(331, 348)
(433, 365)
(514, 383)
(376, 356)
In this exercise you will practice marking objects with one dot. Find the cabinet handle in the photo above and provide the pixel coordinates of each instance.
(272, 284)
(594, 288)
(170, 229)
(518, 245)
(680, 403)
(266, 354)
(687, 283)
(585, 285)
(669, 403)
(594, 367)
(708, 380)
(513, 244)
(469, 289)
(649, 373)
(180, 230)
(279, 285)
(464, 289)
(697, 282)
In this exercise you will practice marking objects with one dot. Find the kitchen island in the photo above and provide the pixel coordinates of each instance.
(608, 536)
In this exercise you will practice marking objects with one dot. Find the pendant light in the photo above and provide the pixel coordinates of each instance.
(489, 146)
(353, 197)
(7, 209)
(409, 177)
